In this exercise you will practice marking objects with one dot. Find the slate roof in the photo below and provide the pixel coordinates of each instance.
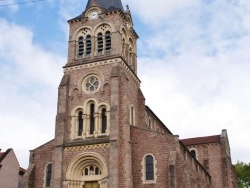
(201, 140)
(108, 4)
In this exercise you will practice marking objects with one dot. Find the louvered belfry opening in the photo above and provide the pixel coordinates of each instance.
(108, 41)
(100, 43)
(80, 46)
(88, 45)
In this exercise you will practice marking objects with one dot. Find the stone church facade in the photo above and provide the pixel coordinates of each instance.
(105, 135)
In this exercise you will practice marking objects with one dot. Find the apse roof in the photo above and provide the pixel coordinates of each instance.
(201, 140)
(107, 4)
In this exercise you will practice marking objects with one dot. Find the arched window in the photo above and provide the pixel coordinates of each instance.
(48, 175)
(130, 56)
(86, 172)
(132, 115)
(193, 153)
(185, 154)
(108, 41)
(149, 167)
(92, 119)
(80, 46)
(80, 123)
(100, 42)
(123, 48)
(104, 120)
(149, 123)
(96, 170)
(92, 171)
(88, 45)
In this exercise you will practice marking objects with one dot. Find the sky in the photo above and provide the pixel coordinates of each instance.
(193, 62)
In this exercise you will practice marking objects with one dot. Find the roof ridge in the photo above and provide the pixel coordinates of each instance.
(199, 137)
(201, 140)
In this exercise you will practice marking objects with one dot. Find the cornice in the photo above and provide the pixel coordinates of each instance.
(120, 61)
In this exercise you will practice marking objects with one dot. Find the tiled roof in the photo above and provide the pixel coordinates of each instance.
(201, 140)
(108, 4)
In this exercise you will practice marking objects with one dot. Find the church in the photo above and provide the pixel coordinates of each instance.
(105, 135)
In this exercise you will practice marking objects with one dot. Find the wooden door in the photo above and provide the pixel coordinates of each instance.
(91, 185)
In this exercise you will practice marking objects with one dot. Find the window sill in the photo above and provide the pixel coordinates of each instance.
(149, 182)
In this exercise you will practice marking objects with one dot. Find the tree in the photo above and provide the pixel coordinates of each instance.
(243, 174)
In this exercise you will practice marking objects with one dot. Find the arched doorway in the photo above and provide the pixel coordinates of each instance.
(87, 170)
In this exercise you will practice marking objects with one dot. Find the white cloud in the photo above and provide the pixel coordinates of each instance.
(155, 12)
(29, 79)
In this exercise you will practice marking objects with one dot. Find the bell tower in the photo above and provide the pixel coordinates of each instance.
(97, 100)
(102, 31)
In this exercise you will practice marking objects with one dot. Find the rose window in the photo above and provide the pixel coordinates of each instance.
(92, 84)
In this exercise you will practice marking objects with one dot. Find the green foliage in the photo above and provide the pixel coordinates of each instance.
(243, 174)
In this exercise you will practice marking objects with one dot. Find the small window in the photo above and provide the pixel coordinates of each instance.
(149, 164)
(80, 123)
(185, 154)
(104, 120)
(132, 113)
(130, 56)
(96, 171)
(92, 171)
(92, 119)
(86, 172)
(149, 123)
(48, 175)
(193, 153)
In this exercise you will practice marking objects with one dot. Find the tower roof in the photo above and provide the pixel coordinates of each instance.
(107, 4)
